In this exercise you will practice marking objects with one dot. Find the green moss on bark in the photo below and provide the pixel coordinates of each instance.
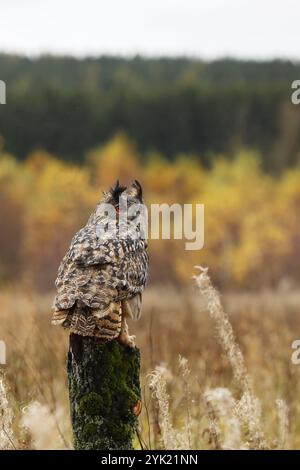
(104, 387)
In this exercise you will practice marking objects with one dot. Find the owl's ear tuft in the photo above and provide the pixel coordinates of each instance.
(116, 191)
(138, 189)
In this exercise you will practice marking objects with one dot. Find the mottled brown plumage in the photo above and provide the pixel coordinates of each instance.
(101, 278)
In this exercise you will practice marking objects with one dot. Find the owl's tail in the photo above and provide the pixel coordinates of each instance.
(87, 321)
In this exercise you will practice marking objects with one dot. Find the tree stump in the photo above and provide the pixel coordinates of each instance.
(104, 392)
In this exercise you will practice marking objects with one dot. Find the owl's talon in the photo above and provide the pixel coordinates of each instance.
(132, 341)
(127, 340)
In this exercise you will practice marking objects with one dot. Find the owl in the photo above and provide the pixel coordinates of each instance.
(103, 274)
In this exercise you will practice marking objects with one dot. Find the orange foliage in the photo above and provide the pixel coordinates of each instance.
(252, 228)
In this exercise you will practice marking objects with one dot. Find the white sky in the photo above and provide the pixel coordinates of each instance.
(203, 28)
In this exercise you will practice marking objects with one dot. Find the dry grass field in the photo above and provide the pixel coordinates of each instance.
(195, 396)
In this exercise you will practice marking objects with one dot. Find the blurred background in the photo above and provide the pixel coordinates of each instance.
(202, 116)
(194, 100)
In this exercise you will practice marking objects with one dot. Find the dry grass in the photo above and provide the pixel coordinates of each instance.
(203, 396)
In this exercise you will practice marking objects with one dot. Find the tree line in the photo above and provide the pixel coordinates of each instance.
(69, 106)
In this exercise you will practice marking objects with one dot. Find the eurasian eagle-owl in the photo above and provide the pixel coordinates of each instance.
(101, 278)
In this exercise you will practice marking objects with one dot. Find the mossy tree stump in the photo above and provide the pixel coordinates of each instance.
(104, 393)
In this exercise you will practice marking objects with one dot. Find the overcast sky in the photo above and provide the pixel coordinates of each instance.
(203, 28)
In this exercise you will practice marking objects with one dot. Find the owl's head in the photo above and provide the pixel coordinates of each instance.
(112, 196)
(133, 194)
(123, 205)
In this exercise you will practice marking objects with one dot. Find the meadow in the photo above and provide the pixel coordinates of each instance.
(180, 346)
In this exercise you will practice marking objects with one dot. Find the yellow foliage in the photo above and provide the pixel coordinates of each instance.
(251, 219)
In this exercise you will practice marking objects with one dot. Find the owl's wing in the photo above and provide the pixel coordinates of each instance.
(88, 250)
(87, 273)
